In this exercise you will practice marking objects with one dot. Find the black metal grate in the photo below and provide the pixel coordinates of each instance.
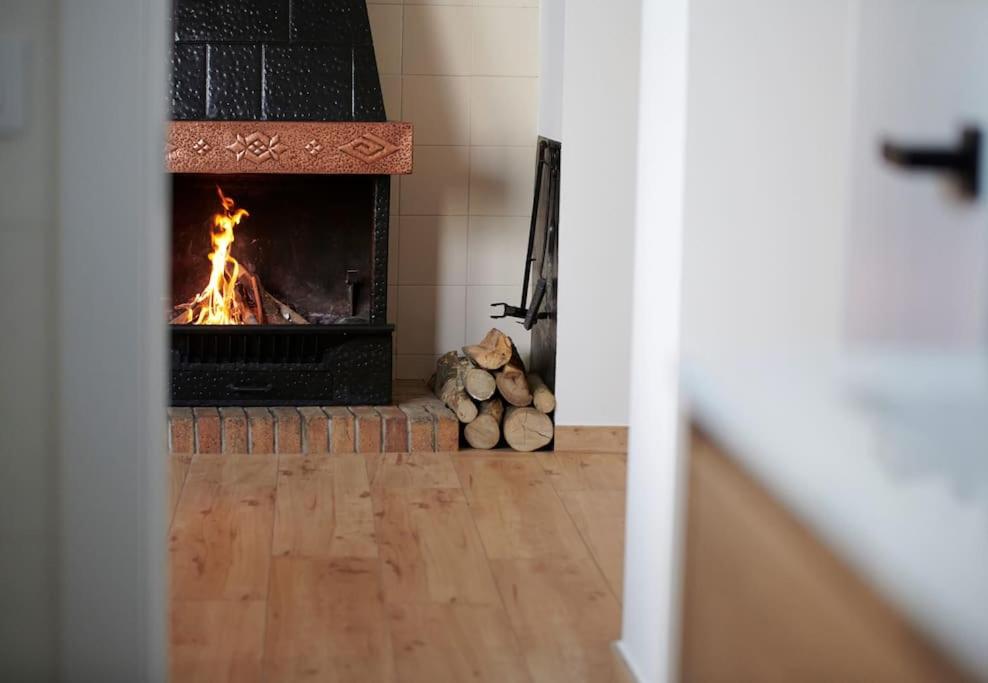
(281, 365)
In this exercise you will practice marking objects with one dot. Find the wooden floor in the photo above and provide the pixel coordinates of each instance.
(434, 567)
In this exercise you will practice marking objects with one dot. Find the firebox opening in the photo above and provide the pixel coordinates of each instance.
(308, 239)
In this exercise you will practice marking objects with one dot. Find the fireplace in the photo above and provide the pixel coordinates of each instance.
(280, 160)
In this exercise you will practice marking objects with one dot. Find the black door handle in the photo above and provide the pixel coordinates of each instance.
(963, 162)
(239, 388)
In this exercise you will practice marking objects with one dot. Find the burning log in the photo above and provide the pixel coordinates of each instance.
(249, 289)
(278, 313)
(259, 305)
(234, 294)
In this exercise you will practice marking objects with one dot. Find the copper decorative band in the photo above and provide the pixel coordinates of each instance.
(339, 147)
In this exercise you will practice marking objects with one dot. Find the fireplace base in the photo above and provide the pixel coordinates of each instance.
(281, 365)
(417, 422)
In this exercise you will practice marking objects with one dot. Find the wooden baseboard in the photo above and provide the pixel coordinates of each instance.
(591, 439)
(622, 672)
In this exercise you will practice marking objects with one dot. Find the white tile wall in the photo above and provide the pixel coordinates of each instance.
(465, 72)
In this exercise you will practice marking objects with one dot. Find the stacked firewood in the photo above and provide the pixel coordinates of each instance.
(493, 396)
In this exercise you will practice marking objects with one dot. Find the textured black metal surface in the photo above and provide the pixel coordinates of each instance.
(368, 101)
(379, 257)
(288, 60)
(330, 21)
(188, 96)
(234, 84)
(271, 365)
(543, 355)
(206, 21)
(313, 79)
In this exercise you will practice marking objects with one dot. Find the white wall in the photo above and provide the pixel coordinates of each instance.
(743, 147)
(597, 204)
(766, 188)
(552, 39)
(27, 356)
(467, 78)
(650, 624)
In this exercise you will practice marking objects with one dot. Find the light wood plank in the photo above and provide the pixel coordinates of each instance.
(591, 439)
(434, 643)
(355, 535)
(599, 517)
(220, 544)
(326, 622)
(430, 548)
(323, 508)
(415, 471)
(764, 600)
(564, 616)
(178, 468)
(216, 641)
(516, 510)
(585, 471)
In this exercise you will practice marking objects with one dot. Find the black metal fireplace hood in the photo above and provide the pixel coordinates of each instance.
(305, 67)
(287, 87)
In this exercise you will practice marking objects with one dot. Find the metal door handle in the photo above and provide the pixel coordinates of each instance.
(250, 390)
(962, 162)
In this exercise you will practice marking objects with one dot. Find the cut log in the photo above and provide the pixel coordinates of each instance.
(278, 313)
(542, 397)
(477, 382)
(458, 401)
(512, 382)
(446, 384)
(526, 429)
(492, 352)
(252, 296)
(485, 431)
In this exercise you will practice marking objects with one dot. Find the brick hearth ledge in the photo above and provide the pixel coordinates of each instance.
(418, 423)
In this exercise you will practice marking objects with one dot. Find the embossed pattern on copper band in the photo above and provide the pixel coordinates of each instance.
(337, 147)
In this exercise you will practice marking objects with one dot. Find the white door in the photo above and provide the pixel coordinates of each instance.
(917, 249)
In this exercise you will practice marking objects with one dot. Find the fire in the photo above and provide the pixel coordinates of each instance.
(219, 303)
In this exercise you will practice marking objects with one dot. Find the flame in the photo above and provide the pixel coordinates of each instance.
(219, 303)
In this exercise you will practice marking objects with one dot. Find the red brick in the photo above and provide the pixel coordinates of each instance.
(260, 429)
(394, 429)
(288, 430)
(368, 424)
(315, 430)
(208, 431)
(447, 427)
(420, 428)
(182, 430)
(234, 430)
(341, 430)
